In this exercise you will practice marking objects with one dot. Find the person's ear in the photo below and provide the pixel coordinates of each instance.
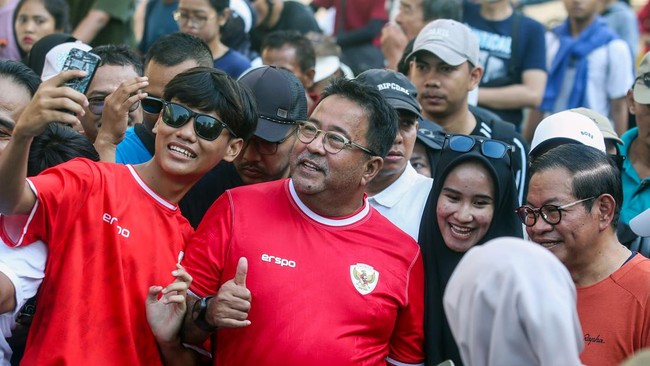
(629, 98)
(373, 166)
(222, 17)
(309, 77)
(475, 76)
(605, 206)
(155, 126)
(233, 149)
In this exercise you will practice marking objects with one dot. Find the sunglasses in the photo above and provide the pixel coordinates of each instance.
(96, 105)
(493, 149)
(152, 105)
(206, 127)
(645, 78)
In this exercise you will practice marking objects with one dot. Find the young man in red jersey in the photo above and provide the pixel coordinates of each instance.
(112, 227)
(333, 281)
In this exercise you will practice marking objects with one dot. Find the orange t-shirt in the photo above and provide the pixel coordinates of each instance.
(615, 315)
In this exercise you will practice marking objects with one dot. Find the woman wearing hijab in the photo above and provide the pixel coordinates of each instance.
(511, 302)
(473, 200)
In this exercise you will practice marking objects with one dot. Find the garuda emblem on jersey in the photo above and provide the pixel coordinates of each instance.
(364, 278)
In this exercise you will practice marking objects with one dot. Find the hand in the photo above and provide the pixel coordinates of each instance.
(52, 102)
(393, 42)
(165, 315)
(229, 309)
(115, 116)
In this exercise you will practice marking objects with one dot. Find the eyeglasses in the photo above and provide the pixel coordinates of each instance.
(182, 17)
(494, 149)
(206, 127)
(152, 105)
(645, 78)
(96, 105)
(552, 214)
(333, 142)
(267, 147)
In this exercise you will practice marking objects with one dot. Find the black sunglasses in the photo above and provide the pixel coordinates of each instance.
(645, 78)
(206, 127)
(152, 105)
(494, 149)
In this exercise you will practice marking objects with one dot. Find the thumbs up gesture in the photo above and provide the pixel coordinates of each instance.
(233, 301)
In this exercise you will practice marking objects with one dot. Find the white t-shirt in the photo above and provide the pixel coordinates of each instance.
(610, 75)
(25, 267)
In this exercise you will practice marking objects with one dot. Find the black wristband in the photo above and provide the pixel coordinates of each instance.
(199, 319)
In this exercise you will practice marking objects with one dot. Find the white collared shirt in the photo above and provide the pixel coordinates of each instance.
(403, 201)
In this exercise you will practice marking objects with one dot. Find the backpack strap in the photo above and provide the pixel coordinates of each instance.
(513, 70)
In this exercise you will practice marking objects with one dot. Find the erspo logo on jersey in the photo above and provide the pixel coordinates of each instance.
(279, 261)
(111, 220)
(364, 278)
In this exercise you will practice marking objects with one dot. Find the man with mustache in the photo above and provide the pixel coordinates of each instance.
(334, 282)
(444, 67)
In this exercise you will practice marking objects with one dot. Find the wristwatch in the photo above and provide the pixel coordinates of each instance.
(199, 319)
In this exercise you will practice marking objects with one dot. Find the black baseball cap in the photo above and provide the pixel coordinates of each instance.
(281, 101)
(399, 92)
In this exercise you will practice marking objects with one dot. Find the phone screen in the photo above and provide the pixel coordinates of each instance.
(81, 60)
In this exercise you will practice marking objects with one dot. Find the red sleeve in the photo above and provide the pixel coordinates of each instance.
(407, 342)
(378, 10)
(206, 254)
(60, 193)
(323, 3)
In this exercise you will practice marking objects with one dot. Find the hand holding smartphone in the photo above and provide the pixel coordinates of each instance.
(81, 60)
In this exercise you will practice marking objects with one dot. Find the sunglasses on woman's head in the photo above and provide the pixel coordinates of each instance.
(494, 149)
(206, 127)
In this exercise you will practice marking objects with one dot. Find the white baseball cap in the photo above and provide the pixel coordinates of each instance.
(563, 127)
(641, 223)
(451, 41)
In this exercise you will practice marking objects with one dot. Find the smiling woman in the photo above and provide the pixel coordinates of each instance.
(473, 200)
(35, 19)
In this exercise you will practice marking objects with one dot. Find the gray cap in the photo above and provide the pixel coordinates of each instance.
(453, 42)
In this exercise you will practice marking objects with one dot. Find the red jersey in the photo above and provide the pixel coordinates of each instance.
(615, 314)
(325, 291)
(109, 238)
(358, 14)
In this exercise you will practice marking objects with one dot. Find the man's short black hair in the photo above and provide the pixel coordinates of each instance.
(208, 89)
(56, 145)
(20, 74)
(175, 48)
(442, 9)
(594, 173)
(305, 54)
(382, 118)
(118, 55)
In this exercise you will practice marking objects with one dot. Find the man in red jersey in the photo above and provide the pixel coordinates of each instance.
(115, 227)
(333, 282)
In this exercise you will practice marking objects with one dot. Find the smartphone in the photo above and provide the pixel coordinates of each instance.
(81, 60)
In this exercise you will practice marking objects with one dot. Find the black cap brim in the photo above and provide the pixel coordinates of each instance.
(401, 105)
(273, 131)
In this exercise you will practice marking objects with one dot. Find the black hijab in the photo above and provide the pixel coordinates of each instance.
(440, 261)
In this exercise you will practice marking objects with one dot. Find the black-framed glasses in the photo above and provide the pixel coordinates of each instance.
(267, 147)
(183, 17)
(552, 214)
(645, 78)
(333, 142)
(494, 149)
(206, 127)
(152, 105)
(96, 105)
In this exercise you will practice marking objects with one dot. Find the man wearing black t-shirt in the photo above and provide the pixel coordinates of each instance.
(274, 15)
(444, 67)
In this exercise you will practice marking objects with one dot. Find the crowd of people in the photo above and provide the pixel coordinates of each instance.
(423, 182)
